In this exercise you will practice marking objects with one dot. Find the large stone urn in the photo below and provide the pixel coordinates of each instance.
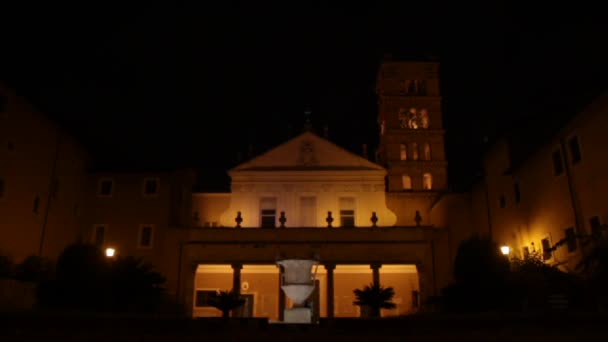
(298, 282)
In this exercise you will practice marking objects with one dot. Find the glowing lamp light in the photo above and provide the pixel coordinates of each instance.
(110, 252)
(505, 250)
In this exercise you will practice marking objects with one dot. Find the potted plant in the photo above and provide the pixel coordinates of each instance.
(374, 297)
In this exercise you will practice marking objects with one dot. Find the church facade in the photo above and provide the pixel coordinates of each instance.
(364, 222)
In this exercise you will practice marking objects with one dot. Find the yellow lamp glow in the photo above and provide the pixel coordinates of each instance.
(110, 252)
(505, 250)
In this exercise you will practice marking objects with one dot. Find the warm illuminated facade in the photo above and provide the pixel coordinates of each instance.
(556, 192)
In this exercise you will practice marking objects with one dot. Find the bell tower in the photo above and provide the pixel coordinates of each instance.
(411, 130)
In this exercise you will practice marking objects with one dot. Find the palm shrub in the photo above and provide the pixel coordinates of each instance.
(375, 297)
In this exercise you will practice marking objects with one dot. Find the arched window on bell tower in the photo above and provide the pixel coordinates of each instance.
(414, 151)
(402, 152)
(427, 181)
(426, 151)
(406, 181)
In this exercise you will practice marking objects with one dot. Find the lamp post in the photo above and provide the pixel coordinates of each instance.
(110, 252)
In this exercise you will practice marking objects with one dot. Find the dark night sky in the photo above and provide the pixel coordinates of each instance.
(194, 84)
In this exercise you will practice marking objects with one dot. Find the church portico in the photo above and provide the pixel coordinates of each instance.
(259, 285)
(244, 260)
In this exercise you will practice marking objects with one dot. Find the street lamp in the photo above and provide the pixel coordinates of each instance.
(505, 250)
(110, 252)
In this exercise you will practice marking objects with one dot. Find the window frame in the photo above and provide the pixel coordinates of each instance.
(546, 254)
(403, 152)
(411, 184)
(430, 175)
(595, 230)
(36, 204)
(140, 235)
(350, 216)
(502, 201)
(145, 187)
(263, 215)
(100, 187)
(94, 234)
(571, 242)
(517, 192)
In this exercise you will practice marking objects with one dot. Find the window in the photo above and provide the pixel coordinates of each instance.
(151, 186)
(407, 182)
(571, 239)
(106, 187)
(308, 211)
(558, 164)
(268, 212)
(2, 185)
(526, 252)
(421, 87)
(411, 87)
(347, 212)
(426, 151)
(427, 181)
(502, 201)
(99, 235)
(575, 150)
(547, 253)
(203, 297)
(596, 226)
(517, 192)
(145, 236)
(403, 152)
(36, 205)
(414, 151)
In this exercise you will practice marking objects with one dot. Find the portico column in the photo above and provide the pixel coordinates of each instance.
(187, 287)
(236, 278)
(424, 285)
(281, 295)
(330, 289)
(375, 273)
(236, 283)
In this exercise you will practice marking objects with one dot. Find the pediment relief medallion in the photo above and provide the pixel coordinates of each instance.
(307, 155)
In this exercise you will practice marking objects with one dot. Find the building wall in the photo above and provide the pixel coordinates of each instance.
(128, 209)
(209, 207)
(39, 162)
(327, 187)
(451, 215)
(546, 206)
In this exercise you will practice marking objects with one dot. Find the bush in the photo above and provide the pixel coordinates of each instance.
(532, 281)
(134, 285)
(34, 269)
(6, 267)
(481, 273)
(87, 280)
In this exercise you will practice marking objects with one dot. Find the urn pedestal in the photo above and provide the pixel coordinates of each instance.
(298, 282)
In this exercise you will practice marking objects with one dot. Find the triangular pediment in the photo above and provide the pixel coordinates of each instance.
(308, 151)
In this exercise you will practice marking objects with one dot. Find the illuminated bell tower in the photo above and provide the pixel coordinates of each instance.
(411, 131)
